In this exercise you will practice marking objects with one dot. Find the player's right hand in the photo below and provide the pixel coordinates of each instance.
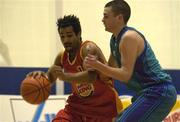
(56, 71)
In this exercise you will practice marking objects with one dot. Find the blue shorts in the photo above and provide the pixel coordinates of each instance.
(152, 105)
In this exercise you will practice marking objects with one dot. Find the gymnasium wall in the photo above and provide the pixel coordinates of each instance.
(10, 81)
(28, 27)
(159, 20)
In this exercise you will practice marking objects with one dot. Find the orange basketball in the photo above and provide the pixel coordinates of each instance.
(35, 90)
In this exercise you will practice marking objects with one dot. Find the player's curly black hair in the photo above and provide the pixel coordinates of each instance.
(69, 20)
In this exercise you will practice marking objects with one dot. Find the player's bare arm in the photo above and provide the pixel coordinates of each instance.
(129, 49)
(54, 69)
(112, 62)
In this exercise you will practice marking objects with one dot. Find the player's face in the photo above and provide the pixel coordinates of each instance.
(69, 39)
(109, 20)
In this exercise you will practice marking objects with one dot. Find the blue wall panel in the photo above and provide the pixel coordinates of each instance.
(10, 79)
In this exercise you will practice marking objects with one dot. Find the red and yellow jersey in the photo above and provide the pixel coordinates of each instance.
(90, 99)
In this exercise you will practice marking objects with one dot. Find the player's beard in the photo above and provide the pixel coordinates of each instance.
(68, 49)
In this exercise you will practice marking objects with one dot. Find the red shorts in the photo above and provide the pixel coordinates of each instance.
(67, 116)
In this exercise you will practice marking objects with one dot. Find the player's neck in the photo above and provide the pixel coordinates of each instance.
(118, 30)
(73, 53)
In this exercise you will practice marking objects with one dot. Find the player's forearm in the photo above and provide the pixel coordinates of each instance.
(85, 76)
(116, 73)
(51, 78)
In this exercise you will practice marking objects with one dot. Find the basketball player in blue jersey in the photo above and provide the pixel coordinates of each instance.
(133, 62)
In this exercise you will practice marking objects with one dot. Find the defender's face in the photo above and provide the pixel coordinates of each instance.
(69, 39)
(109, 19)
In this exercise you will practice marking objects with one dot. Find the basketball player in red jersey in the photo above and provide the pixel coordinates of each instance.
(93, 97)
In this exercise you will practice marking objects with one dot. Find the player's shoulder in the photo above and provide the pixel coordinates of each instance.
(132, 34)
(60, 54)
(88, 45)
